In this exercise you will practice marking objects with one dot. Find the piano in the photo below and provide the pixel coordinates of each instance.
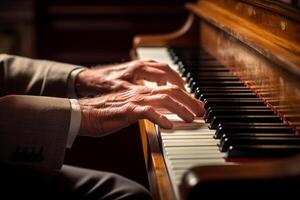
(242, 59)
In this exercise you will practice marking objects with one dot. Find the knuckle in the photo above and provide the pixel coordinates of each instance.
(165, 65)
(148, 109)
(164, 97)
(129, 108)
(138, 63)
(137, 100)
(174, 88)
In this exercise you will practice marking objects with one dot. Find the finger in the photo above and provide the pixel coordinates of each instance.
(151, 74)
(167, 102)
(183, 97)
(172, 76)
(147, 112)
(156, 75)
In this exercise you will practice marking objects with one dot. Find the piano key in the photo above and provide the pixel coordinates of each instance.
(205, 91)
(209, 74)
(235, 151)
(254, 124)
(189, 54)
(225, 143)
(197, 156)
(255, 135)
(217, 78)
(232, 102)
(182, 151)
(184, 70)
(198, 64)
(212, 108)
(219, 119)
(220, 89)
(232, 129)
(185, 164)
(202, 97)
(211, 113)
(194, 142)
(199, 84)
(172, 137)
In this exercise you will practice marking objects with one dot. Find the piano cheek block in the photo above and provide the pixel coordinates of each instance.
(271, 180)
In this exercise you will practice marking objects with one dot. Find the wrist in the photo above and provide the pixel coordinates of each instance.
(84, 118)
(81, 83)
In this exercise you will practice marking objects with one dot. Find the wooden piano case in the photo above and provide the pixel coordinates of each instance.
(260, 42)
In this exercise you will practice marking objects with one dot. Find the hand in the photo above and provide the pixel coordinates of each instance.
(109, 113)
(118, 77)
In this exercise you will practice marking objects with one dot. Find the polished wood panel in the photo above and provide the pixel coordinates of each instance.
(272, 179)
(159, 182)
(261, 63)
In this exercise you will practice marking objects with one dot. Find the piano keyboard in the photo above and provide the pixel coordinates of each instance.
(237, 123)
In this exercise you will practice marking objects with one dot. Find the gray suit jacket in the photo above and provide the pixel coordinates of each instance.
(33, 129)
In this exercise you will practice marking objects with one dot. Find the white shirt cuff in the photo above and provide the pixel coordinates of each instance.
(71, 82)
(74, 122)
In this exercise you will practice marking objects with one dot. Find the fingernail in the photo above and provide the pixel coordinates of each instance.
(167, 124)
(190, 118)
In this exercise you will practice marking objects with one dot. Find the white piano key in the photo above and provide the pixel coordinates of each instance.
(171, 137)
(187, 144)
(196, 156)
(185, 164)
(188, 133)
(199, 142)
(192, 152)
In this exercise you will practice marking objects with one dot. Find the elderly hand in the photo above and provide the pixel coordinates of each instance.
(118, 77)
(109, 113)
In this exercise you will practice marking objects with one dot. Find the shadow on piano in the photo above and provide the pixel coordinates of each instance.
(242, 59)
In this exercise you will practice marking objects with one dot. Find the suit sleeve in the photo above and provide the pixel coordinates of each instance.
(19, 75)
(34, 130)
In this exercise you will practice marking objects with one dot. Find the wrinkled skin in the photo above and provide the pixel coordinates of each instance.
(117, 102)
(109, 113)
(114, 78)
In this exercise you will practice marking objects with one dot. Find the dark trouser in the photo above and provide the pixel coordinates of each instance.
(67, 183)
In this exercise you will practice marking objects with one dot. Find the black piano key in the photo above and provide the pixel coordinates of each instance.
(220, 78)
(224, 140)
(198, 93)
(232, 124)
(237, 108)
(189, 53)
(255, 135)
(199, 84)
(208, 90)
(233, 129)
(198, 64)
(219, 119)
(209, 74)
(211, 113)
(232, 102)
(193, 78)
(225, 95)
(238, 151)
(192, 69)
(232, 141)
(223, 89)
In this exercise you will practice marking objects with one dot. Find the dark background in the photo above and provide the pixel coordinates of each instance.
(88, 33)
